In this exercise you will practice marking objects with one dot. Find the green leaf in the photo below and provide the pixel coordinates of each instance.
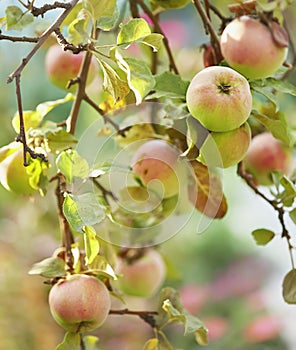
(71, 342)
(32, 119)
(139, 76)
(276, 124)
(59, 141)
(170, 309)
(90, 342)
(49, 267)
(153, 40)
(101, 266)
(263, 236)
(160, 5)
(107, 23)
(99, 8)
(293, 215)
(134, 30)
(82, 210)
(170, 85)
(280, 85)
(289, 287)
(91, 244)
(289, 194)
(77, 30)
(151, 344)
(71, 165)
(37, 170)
(112, 83)
(16, 19)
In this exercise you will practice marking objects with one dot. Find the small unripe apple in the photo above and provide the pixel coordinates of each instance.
(225, 149)
(142, 276)
(249, 47)
(62, 66)
(154, 163)
(170, 4)
(220, 98)
(80, 303)
(13, 174)
(265, 155)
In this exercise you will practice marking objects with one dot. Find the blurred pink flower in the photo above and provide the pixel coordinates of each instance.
(194, 297)
(217, 327)
(262, 329)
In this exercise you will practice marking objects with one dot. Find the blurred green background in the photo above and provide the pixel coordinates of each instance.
(223, 277)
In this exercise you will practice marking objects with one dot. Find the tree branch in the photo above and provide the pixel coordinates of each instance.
(56, 24)
(274, 203)
(208, 28)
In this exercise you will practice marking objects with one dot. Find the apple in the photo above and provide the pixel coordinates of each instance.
(265, 155)
(62, 66)
(155, 165)
(220, 98)
(225, 149)
(79, 303)
(13, 174)
(141, 276)
(249, 47)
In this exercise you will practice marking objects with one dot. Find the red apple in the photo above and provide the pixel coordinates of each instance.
(80, 303)
(265, 155)
(226, 149)
(62, 66)
(249, 47)
(154, 163)
(142, 276)
(220, 98)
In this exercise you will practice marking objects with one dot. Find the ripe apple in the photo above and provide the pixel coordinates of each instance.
(13, 174)
(225, 149)
(249, 47)
(80, 303)
(267, 154)
(62, 66)
(220, 98)
(154, 163)
(141, 276)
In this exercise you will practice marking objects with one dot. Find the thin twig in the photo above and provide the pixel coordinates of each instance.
(147, 316)
(274, 203)
(56, 24)
(208, 27)
(24, 39)
(67, 236)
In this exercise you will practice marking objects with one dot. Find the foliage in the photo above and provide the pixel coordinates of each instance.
(105, 211)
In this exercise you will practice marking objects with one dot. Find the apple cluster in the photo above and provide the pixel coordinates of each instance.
(220, 99)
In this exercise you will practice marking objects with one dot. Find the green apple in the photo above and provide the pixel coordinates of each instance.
(62, 66)
(169, 4)
(155, 164)
(142, 276)
(249, 47)
(13, 174)
(225, 149)
(79, 303)
(220, 98)
(265, 155)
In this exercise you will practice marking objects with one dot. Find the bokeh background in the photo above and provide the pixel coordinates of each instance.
(233, 285)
